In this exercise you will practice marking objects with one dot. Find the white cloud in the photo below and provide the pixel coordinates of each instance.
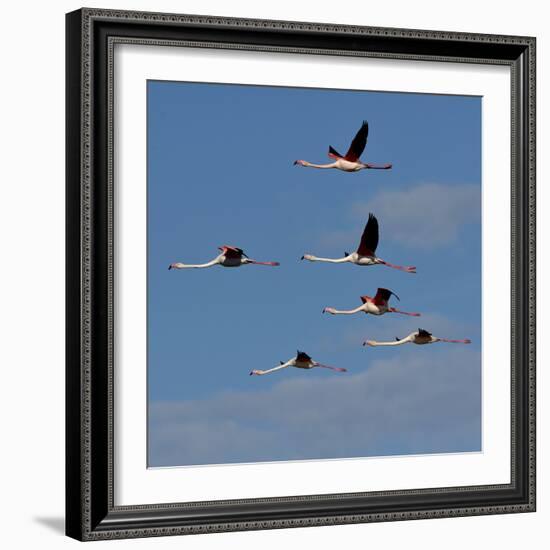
(428, 215)
(413, 401)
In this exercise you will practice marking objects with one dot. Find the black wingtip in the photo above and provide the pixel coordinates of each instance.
(302, 258)
(169, 267)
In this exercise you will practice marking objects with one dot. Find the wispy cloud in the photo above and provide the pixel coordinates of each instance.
(428, 215)
(415, 401)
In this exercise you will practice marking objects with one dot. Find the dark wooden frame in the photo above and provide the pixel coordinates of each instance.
(90, 511)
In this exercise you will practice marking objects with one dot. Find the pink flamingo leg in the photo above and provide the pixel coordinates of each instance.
(264, 263)
(337, 369)
(406, 268)
(465, 341)
(393, 310)
(378, 166)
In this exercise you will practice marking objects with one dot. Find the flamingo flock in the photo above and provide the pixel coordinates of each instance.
(365, 255)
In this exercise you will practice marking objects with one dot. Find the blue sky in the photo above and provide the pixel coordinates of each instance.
(220, 172)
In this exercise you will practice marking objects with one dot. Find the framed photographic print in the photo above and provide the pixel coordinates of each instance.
(300, 274)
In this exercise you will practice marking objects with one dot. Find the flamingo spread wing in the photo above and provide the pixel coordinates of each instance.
(358, 144)
(369, 239)
(333, 153)
(383, 295)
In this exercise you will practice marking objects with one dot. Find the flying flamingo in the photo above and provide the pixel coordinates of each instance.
(230, 257)
(301, 361)
(350, 161)
(375, 306)
(365, 253)
(420, 337)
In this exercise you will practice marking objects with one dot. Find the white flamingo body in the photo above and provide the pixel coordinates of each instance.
(379, 305)
(365, 255)
(231, 256)
(349, 166)
(350, 161)
(301, 361)
(420, 337)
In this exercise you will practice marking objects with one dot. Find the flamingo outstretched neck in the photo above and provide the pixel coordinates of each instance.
(374, 343)
(312, 258)
(311, 165)
(179, 265)
(334, 311)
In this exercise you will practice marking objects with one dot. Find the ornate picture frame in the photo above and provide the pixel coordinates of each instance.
(91, 511)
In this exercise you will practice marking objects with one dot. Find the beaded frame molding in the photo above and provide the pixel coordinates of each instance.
(90, 40)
